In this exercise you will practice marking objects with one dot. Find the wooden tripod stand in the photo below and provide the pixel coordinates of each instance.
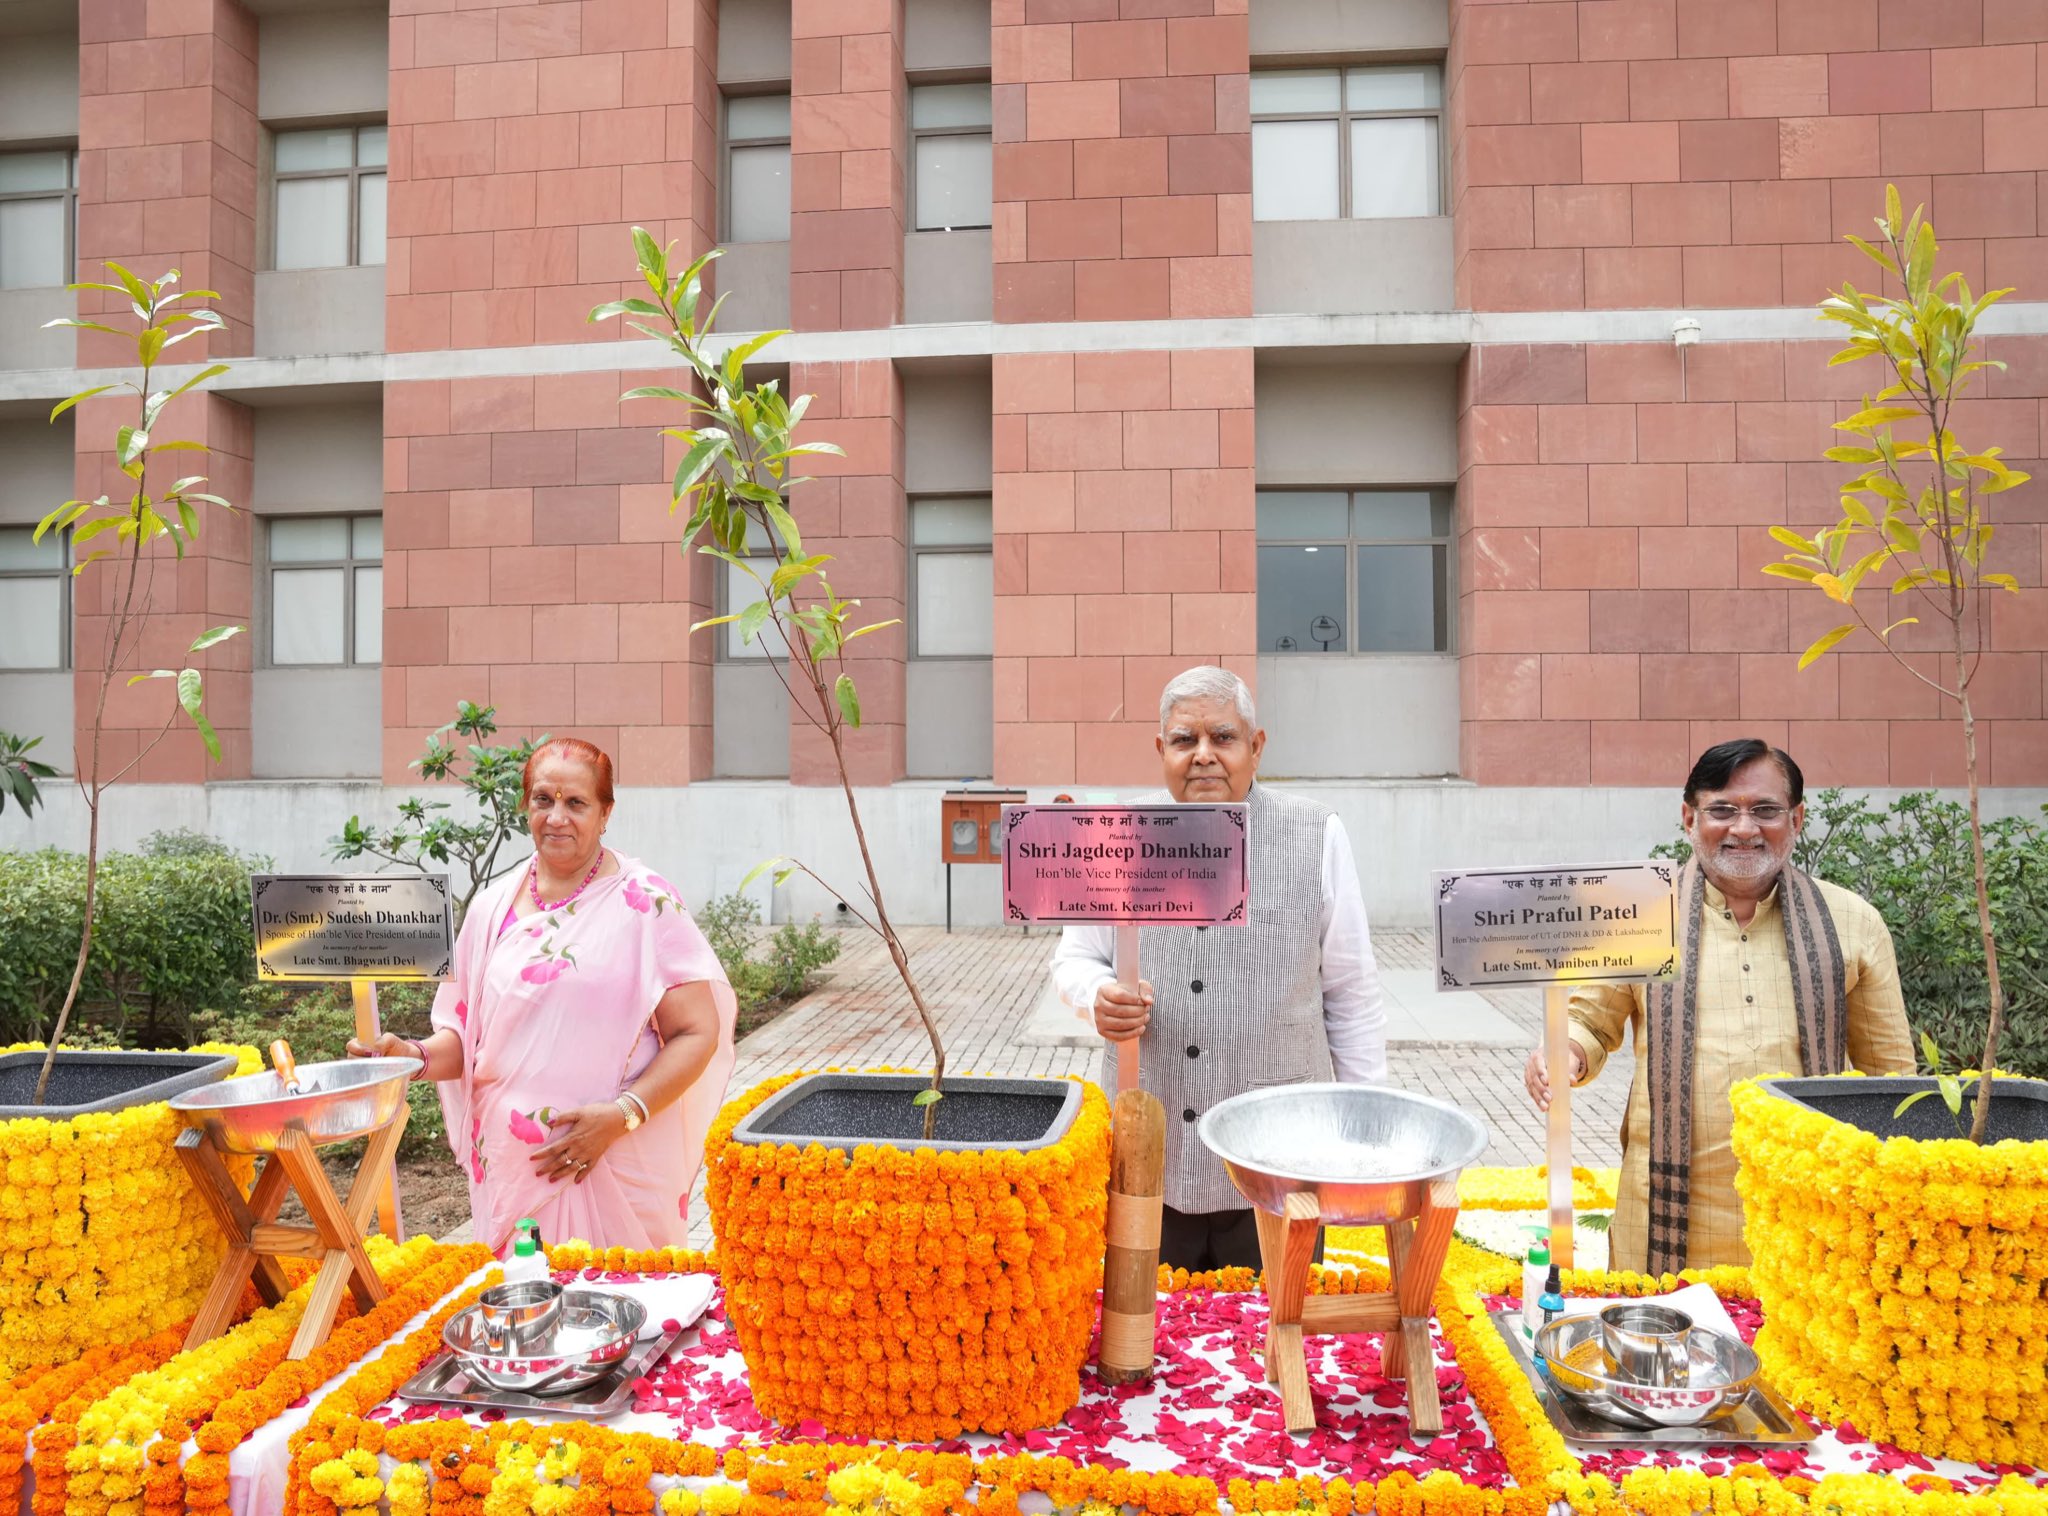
(256, 1241)
(1416, 1250)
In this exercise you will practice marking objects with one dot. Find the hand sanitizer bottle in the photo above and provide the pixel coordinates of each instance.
(527, 1263)
(1534, 1268)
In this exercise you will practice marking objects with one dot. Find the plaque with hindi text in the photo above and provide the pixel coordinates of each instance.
(352, 926)
(1614, 923)
(1123, 865)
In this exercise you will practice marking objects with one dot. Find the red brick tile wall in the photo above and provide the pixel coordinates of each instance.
(1617, 498)
(525, 141)
(1616, 506)
(167, 179)
(1122, 160)
(530, 563)
(1124, 551)
(846, 164)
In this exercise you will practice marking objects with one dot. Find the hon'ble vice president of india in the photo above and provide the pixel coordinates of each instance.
(1286, 998)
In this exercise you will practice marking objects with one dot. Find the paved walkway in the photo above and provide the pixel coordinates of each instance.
(986, 988)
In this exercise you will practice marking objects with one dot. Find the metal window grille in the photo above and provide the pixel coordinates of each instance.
(353, 160)
(1357, 571)
(1400, 103)
(38, 218)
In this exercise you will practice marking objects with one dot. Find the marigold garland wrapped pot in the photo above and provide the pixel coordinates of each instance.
(1904, 1283)
(911, 1294)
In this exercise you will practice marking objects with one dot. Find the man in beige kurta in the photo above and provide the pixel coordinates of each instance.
(1746, 1025)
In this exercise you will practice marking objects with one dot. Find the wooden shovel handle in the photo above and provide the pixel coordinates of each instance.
(286, 1065)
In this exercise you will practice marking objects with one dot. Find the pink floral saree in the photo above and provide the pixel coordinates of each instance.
(556, 1011)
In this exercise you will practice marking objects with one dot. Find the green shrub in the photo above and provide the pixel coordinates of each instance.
(172, 934)
(732, 925)
(796, 953)
(1912, 861)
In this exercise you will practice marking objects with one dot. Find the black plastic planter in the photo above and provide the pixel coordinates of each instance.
(850, 1110)
(89, 1080)
(2019, 1107)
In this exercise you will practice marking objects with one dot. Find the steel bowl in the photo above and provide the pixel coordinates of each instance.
(1719, 1373)
(517, 1315)
(591, 1334)
(334, 1102)
(1366, 1152)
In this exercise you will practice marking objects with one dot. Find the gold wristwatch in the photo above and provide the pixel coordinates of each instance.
(629, 1106)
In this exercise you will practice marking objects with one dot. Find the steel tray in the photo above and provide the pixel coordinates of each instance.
(444, 1381)
(1764, 1419)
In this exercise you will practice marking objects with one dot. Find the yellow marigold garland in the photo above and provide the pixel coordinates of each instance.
(105, 1238)
(911, 1294)
(1904, 1283)
(1528, 1189)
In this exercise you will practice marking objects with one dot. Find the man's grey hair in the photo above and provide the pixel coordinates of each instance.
(1208, 683)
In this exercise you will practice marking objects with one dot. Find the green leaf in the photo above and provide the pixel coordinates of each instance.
(751, 620)
(710, 446)
(1790, 538)
(757, 871)
(212, 370)
(207, 734)
(849, 700)
(65, 405)
(1928, 1049)
(1797, 571)
(149, 344)
(927, 1097)
(191, 690)
(212, 638)
(1913, 1099)
(698, 626)
(1951, 1092)
(1823, 643)
(785, 524)
(655, 391)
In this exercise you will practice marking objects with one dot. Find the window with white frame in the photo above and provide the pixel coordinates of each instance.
(1330, 143)
(38, 218)
(953, 577)
(35, 600)
(757, 168)
(328, 210)
(951, 156)
(1355, 571)
(326, 590)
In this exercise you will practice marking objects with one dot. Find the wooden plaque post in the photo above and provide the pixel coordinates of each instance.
(1130, 1269)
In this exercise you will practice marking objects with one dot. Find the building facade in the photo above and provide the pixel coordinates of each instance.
(1331, 342)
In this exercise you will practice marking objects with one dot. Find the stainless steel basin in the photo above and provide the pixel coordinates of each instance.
(1366, 1152)
(1721, 1371)
(591, 1334)
(349, 1097)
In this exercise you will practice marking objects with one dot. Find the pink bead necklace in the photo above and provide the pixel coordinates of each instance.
(533, 884)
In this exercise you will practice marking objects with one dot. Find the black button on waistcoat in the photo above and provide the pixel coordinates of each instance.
(1188, 1114)
(1193, 1051)
(1196, 986)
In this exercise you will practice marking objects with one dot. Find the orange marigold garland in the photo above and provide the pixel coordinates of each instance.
(911, 1294)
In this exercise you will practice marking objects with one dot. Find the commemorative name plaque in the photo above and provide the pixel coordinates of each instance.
(1614, 923)
(1125, 865)
(1604, 923)
(352, 926)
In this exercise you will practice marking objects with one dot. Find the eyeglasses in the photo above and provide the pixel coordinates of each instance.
(1763, 815)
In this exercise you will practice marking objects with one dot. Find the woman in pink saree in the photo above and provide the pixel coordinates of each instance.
(583, 1046)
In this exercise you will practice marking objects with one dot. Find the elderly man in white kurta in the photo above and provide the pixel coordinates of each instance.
(1290, 997)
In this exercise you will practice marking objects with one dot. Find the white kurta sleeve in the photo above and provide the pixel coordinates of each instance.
(1354, 1017)
(1082, 964)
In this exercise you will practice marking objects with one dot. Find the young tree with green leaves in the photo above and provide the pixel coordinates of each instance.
(1912, 531)
(135, 528)
(19, 773)
(425, 833)
(738, 468)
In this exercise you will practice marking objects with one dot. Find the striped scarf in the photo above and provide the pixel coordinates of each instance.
(1819, 998)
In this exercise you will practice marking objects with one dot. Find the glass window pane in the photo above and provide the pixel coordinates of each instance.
(950, 105)
(34, 171)
(1295, 514)
(1294, 170)
(368, 532)
(1301, 600)
(756, 116)
(1402, 604)
(1393, 167)
(741, 591)
(760, 194)
(1399, 514)
(32, 244)
(965, 522)
(306, 616)
(308, 539)
(956, 605)
(1397, 88)
(369, 615)
(372, 146)
(330, 147)
(31, 623)
(20, 550)
(370, 220)
(312, 223)
(1288, 91)
(953, 188)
